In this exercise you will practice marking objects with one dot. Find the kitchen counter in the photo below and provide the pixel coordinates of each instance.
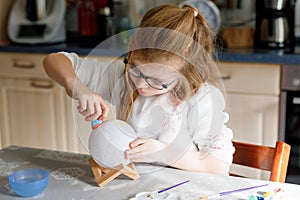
(248, 55)
(260, 56)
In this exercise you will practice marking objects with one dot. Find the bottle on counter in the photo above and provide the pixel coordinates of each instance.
(87, 18)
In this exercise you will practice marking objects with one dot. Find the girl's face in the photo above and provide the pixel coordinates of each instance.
(154, 78)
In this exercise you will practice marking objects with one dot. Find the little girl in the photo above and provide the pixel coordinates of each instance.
(165, 88)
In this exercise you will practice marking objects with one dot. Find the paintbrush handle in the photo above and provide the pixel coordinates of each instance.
(231, 191)
(240, 190)
(163, 190)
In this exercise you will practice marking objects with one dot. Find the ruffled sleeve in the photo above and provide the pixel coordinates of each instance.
(207, 123)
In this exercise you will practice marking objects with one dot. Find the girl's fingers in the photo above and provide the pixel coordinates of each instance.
(82, 105)
(104, 109)
(137, 142)
(93, 108)
(135, 150)
(90, 109)
(136, 158)
(101, 110)
(134, 153)
(97, 113)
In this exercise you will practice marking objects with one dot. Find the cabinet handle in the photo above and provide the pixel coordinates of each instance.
(225, 77)
(23, 64)
(41, 84)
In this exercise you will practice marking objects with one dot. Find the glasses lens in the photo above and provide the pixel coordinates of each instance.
(134, 71)
(154, 83)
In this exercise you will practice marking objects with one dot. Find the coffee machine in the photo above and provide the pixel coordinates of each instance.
(274, 27)
(37, 22)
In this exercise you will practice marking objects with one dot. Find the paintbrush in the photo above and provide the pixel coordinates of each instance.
(171, 187)
(153, 194)
(231, 192)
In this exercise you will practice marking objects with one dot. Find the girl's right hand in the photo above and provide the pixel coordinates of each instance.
(59, 68)
(91, 105)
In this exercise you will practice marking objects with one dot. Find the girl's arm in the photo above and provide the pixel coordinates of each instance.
(193, 161)
(91, 105)
(59, 68)
(152, 150)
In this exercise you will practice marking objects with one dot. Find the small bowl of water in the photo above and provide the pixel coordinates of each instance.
(29, 182)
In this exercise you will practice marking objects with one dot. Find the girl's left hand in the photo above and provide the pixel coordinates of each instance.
(144, 150)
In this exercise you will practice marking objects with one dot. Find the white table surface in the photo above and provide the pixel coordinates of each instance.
(71, 178)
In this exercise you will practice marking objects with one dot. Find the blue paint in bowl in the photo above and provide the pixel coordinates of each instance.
(29, 182)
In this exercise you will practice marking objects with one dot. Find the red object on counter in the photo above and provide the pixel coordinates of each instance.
(100, 3)
(87, 18)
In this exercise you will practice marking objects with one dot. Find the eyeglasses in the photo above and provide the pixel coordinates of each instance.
(154, 83)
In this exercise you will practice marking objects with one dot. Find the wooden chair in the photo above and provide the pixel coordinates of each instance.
(266, 158)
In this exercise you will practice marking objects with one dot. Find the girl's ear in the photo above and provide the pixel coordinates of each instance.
(178, 91)
(183, 88)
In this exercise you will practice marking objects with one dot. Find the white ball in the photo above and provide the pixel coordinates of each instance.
(108, 142)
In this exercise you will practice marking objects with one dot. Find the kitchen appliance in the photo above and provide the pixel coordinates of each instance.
(289, 124)
(37, 21)
(275, 20)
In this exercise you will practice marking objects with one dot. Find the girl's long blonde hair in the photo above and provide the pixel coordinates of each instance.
(164, 32)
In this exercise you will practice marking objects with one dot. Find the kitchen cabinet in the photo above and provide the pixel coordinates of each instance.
(253, 118)
(32, 107)
(34, 110)
(252, 98)
(30, 111)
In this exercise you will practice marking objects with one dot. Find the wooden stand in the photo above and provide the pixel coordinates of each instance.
(105, 175)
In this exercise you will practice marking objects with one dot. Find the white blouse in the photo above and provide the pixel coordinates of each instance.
(197, 124)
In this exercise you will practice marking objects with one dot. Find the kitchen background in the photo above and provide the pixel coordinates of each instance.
(262, 85)
(96, 20)
(112, 16)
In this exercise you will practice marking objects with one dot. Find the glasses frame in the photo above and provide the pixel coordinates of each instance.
(146, 78)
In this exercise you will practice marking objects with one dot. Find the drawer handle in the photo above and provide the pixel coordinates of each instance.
(42, 84)
(23, 64)
(225, 77)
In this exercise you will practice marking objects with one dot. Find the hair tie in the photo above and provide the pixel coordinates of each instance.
(195, 13)
(188, 7)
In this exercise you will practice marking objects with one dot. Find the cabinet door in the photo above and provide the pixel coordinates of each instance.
(32, 114)
(253, 118)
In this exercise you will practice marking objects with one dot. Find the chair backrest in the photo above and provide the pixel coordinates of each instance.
(266, 158)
